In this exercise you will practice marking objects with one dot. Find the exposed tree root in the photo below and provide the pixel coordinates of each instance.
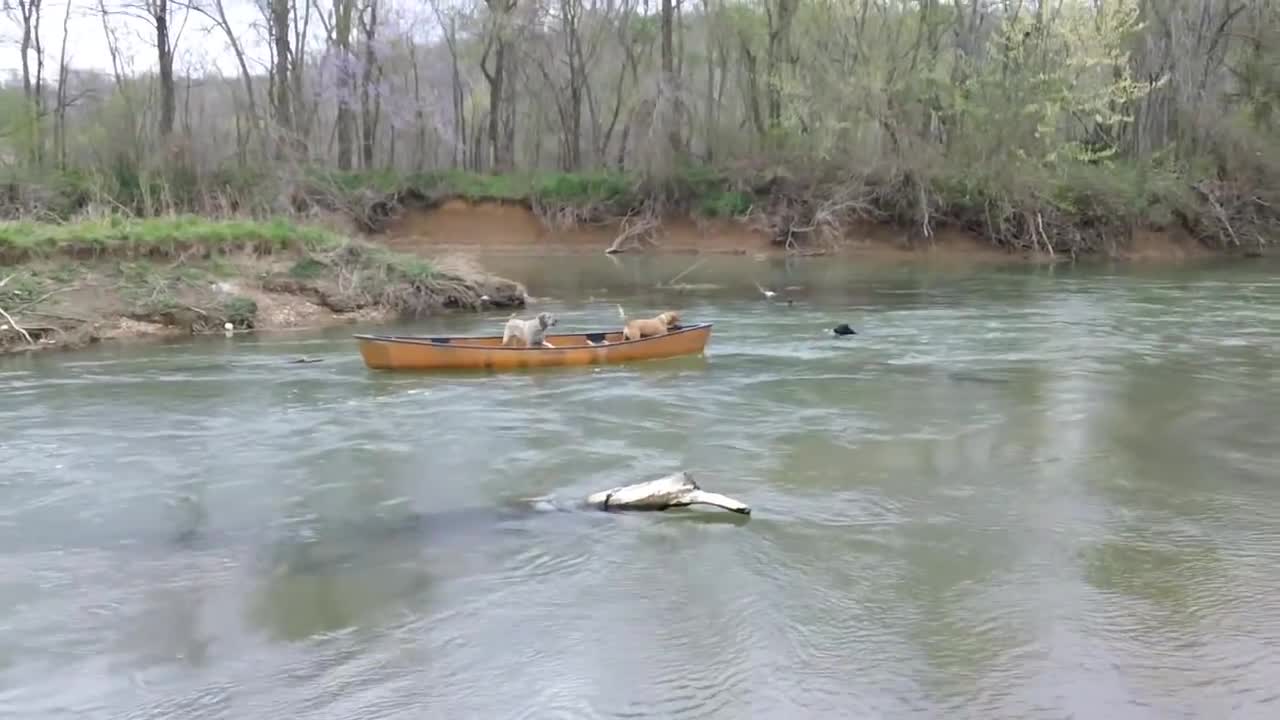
(805, 218)
(1235, 217)
(559, 216)
(637, 231)
(9, 319)
(16, 327)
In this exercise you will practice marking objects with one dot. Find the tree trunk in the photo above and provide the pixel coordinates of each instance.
(419, 118)
(668, 94)
(164, 57)
(496, 46)
(219, 17)
(777, 52)
(32, 90)
(369, 112)
(570, 11)
(752, 93)
(346, 121)
(283, 106)
(496, 160)
(60, 127)
(303, 115)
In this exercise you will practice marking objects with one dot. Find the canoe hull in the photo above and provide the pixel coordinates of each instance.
(391, 352)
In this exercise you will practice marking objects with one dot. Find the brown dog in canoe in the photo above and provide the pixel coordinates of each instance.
(648, 327)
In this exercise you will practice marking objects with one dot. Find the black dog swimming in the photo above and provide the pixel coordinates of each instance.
(843, 329)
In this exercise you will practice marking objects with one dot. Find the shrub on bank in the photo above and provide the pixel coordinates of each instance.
(1068, 206)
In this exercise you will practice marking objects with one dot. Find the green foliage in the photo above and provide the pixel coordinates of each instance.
(307, 268)
(406, 268)
(561, 188)
(473, 186)
(22, 287)
(20, 127)
(374, 261)
(584, 188)
(159, 236)
(240, 311)
(725, 204)
(1127, 192)
(352, 181)
(708, 191)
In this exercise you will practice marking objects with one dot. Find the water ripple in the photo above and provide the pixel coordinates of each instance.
(1021, 494)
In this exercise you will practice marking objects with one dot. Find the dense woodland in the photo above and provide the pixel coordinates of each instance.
(1053, 123)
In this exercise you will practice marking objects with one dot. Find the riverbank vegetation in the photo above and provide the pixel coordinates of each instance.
(1052, 127)
(70, 284)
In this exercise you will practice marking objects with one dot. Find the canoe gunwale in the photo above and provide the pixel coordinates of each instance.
(458, 342)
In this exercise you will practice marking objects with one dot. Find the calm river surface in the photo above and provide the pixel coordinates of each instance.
(1017, 493)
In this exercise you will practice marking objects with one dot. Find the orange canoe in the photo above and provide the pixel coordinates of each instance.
(400, 352)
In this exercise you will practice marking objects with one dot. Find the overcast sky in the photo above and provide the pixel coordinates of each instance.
(87, 43)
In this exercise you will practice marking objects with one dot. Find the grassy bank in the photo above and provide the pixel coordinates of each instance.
(64, 285)
(1065, 209)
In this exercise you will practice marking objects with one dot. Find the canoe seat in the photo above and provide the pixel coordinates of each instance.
(595, 338)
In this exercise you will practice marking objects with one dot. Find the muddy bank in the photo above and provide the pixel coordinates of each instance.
(60, 303)
(501, 227)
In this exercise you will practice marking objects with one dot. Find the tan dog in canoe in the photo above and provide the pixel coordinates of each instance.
(648, 327)
(532, 333)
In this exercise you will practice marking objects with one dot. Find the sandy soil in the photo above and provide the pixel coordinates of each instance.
(511, 227)
(497, 227)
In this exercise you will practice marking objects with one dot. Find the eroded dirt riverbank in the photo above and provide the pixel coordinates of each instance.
(508, 227)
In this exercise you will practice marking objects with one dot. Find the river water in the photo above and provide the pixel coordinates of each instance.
(1017, 492)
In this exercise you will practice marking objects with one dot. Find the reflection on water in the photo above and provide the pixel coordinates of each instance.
(1016, 492)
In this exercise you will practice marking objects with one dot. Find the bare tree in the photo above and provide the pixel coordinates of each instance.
(281, 100)
(215, 10)
(497, 37)
(28, 12)
(370, 73)
(62, 101)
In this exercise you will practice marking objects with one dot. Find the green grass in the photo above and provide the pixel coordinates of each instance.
(442, 184)
(372, 261)
(308, 268)
(474, 186)
(157, 237)
(703, 190)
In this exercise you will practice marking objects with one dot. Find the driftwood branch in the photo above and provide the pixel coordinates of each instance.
(684, 272)
(1221, 212)
(9, 319)
(641, 232)
(1044, 236)
(13, 324)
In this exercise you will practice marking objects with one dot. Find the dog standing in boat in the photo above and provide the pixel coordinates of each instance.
(533, 333)
(648, 327)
